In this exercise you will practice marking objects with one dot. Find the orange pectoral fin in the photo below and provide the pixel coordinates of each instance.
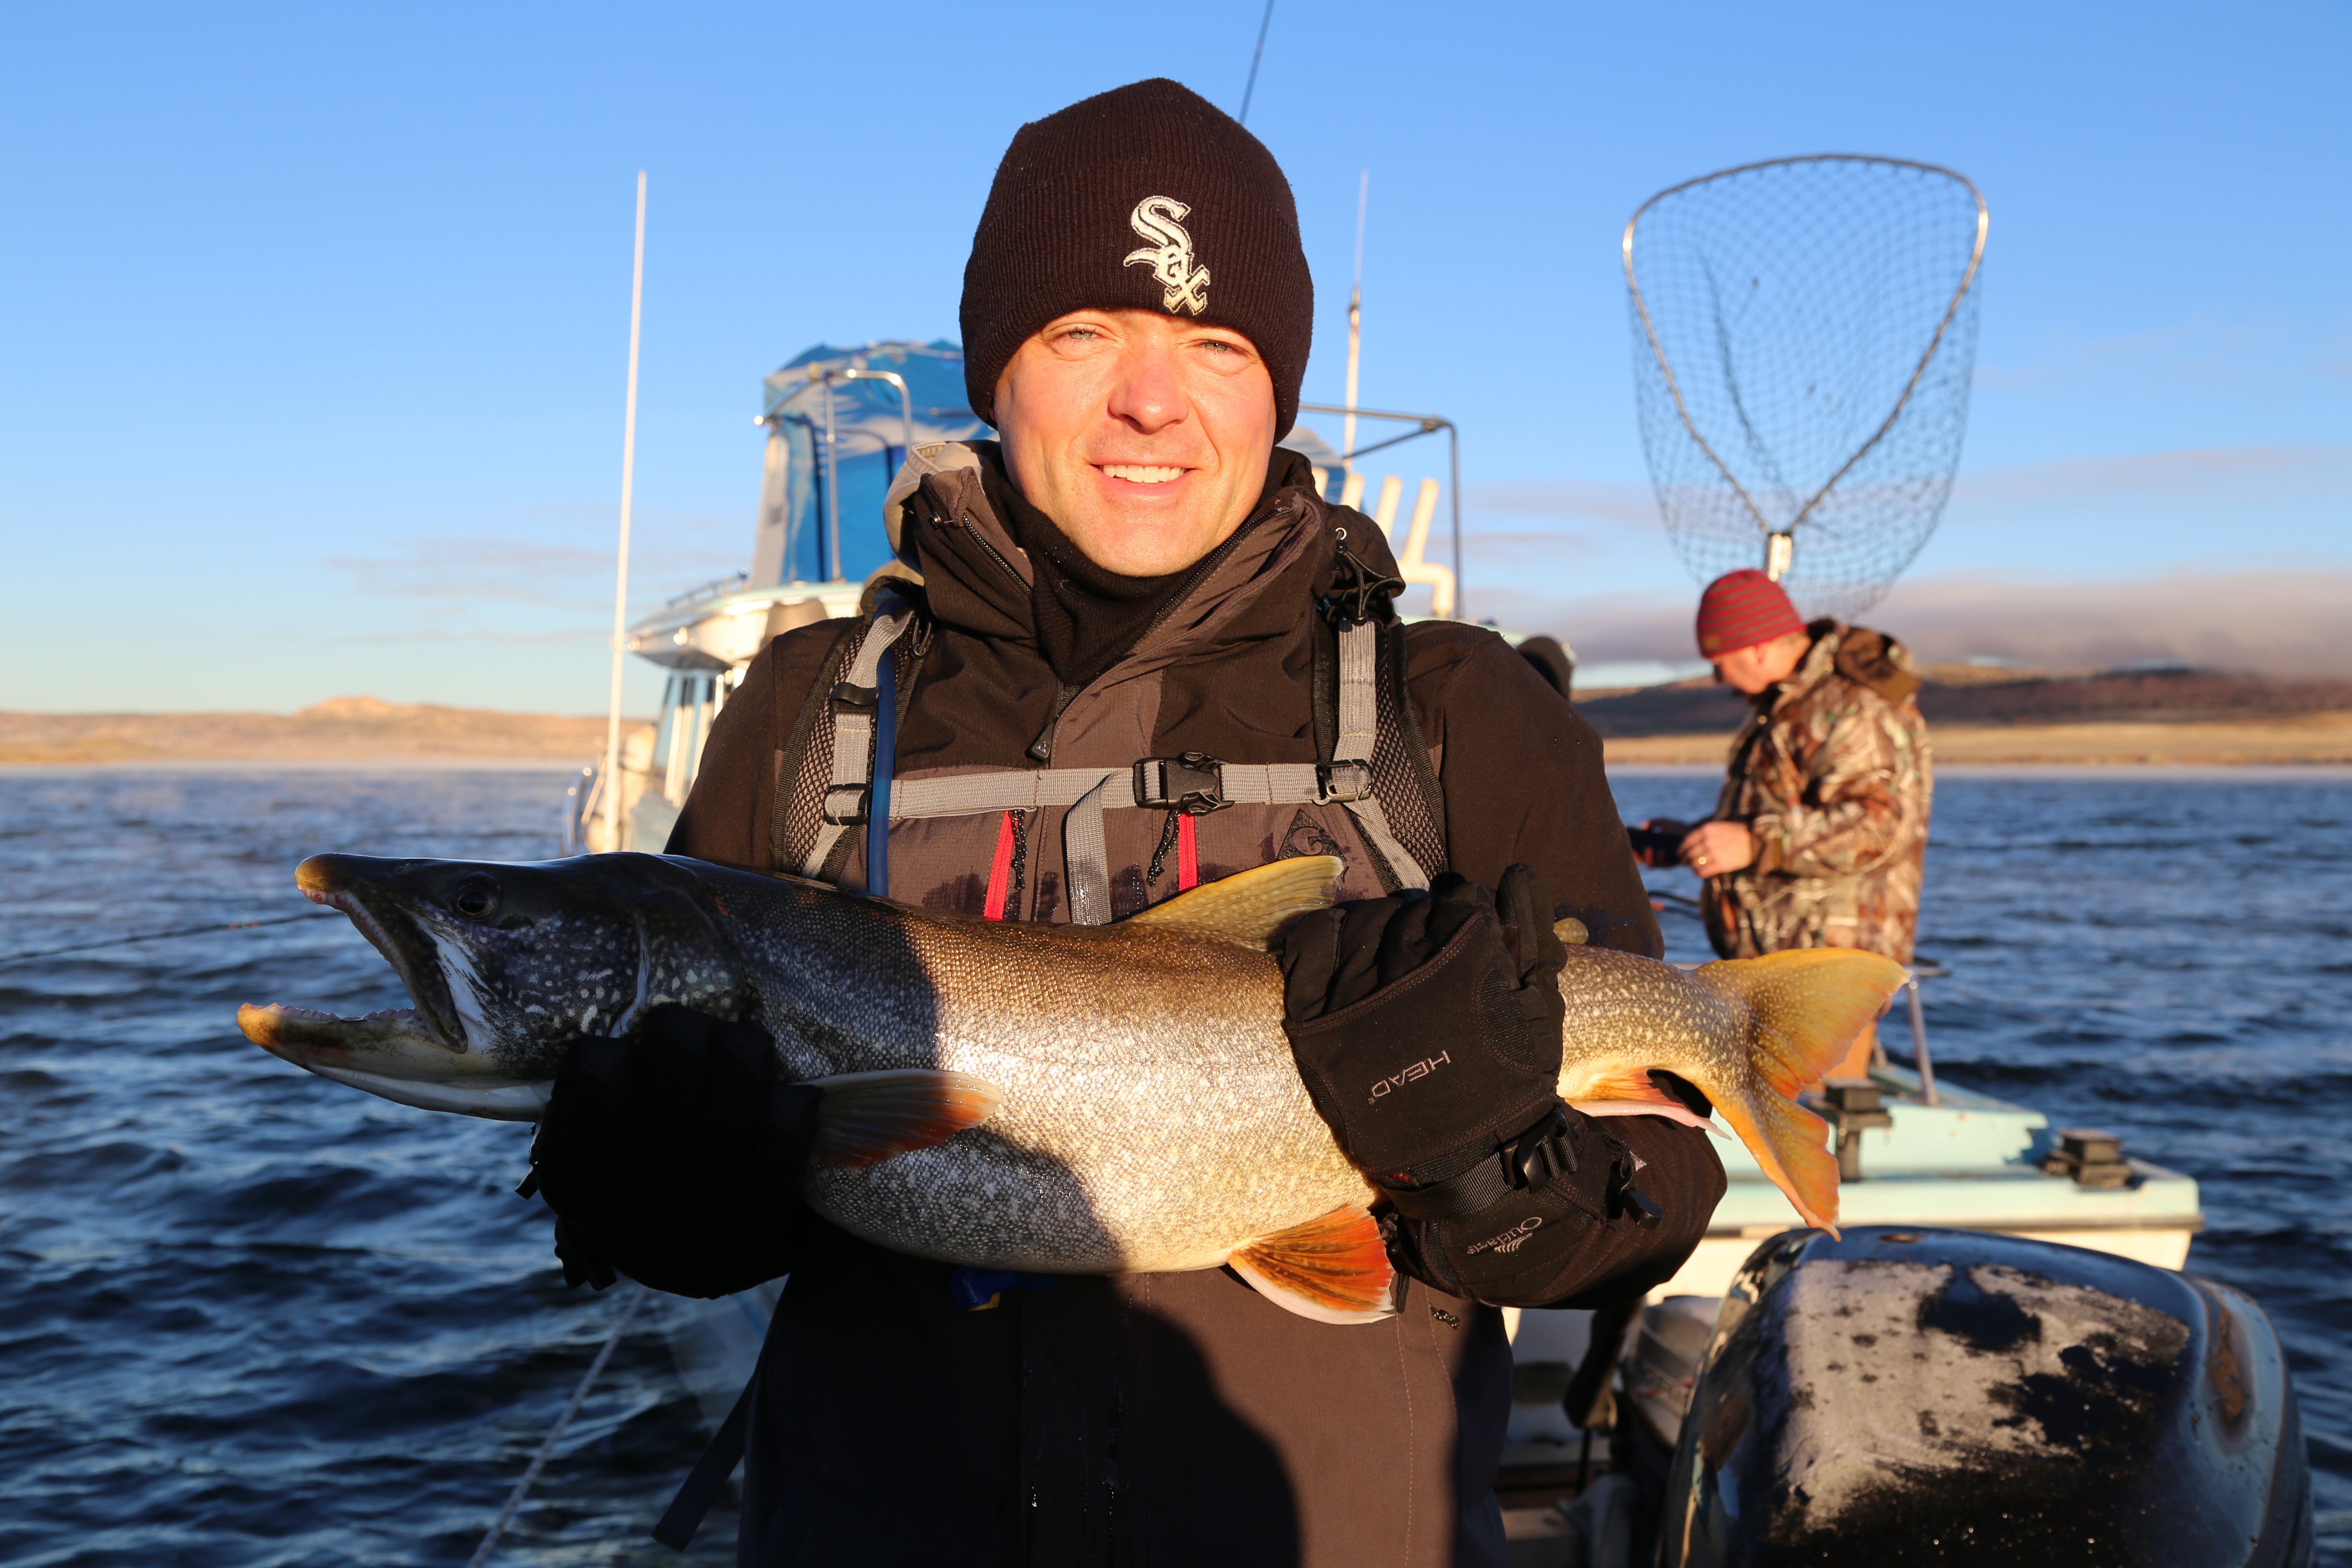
(866, 1117)
(1334, 1270)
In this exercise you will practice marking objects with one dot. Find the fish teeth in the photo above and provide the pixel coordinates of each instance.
(1142, 473)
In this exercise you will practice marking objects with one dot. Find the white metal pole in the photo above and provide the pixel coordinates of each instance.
(621, 575)
(1355, 328)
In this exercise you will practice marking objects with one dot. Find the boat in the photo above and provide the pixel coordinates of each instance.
(1598, 1443)
(839, 422)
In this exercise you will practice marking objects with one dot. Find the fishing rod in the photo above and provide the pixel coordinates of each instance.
(1680, 903)
(555, 1434)
(32, 953)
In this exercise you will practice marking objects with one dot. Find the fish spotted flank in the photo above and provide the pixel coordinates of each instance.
(1047, 1099)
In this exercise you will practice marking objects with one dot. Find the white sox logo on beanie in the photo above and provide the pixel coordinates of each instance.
(1155, 218)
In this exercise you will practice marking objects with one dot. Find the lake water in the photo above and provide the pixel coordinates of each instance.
(248, 1317)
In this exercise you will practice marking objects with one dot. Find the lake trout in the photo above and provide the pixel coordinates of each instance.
(1051, 1098)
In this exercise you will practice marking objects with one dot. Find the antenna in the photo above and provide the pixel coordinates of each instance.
(621, 577)
(1264, 23)
(1354, 327)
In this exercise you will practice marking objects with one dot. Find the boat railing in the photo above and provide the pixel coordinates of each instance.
(716, 588)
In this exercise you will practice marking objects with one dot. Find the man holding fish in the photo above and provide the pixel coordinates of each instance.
(1262, 995)
(1133, 574)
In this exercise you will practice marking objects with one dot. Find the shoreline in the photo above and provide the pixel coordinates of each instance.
(407, 763)
(2171, 772)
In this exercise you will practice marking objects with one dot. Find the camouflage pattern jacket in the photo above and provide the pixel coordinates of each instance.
(1833, 776)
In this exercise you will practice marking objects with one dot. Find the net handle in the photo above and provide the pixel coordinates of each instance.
(1673, 387)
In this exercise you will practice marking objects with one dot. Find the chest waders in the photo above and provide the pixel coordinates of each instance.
(836, 774)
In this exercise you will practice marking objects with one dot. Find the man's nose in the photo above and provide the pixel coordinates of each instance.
(1148, 395)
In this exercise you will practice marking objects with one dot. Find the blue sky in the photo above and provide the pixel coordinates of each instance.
(316, 318)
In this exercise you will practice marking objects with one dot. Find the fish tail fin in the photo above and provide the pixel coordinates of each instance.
(1806, 1007)
(1335, 1269)
(1791, 1143)
(866, 1117)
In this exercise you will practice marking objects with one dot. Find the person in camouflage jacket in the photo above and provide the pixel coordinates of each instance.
(1820, 836)
(1833, 776)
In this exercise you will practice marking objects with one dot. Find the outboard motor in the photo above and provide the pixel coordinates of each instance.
(1910, 1395)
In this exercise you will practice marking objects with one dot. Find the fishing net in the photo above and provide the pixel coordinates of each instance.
(1803, 335)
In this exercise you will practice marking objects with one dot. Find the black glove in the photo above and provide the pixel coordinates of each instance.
(675, 1157)
(1427, 1026)
(1427, 1030)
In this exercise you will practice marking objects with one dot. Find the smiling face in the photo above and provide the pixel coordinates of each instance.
(1145, 437)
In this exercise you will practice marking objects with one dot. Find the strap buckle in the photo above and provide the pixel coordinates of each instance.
(845, 806)
(848, 698)
(1544, 1153)
(1191, 784)
(1337, 783)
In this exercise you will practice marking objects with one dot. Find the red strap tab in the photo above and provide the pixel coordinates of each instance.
(1000, 870)
(1187, 853)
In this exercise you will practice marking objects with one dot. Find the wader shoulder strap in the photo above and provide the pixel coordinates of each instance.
(1378, 770)
(856, 700)
(1357, 743)
(703, 1483)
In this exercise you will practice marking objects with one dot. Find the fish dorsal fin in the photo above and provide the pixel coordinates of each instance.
(1249, 907)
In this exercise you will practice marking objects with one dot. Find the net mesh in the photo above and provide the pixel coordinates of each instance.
(1803, 336)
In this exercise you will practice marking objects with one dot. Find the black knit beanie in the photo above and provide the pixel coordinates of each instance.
(1145, 197)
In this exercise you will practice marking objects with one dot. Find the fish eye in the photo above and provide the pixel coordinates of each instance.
(475, 897)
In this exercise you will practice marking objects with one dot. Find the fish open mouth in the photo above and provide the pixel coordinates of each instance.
(321, 880)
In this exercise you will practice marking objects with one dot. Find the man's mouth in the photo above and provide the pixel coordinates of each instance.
(1142, 473)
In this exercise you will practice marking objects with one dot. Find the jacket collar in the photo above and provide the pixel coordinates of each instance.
(1263, 584)
(1868, 658)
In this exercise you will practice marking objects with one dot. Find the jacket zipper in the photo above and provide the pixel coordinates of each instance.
(1214, 559)
(994, 553)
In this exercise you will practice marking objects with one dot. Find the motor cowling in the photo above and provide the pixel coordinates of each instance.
(1909, 1395)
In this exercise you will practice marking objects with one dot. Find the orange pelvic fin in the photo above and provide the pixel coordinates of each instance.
(866, 1117)
(1334, 1270)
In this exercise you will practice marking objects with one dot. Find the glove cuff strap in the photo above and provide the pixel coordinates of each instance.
(1533, 1159)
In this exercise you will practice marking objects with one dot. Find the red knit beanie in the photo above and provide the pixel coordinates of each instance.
(1145, 197)
(1740, 609)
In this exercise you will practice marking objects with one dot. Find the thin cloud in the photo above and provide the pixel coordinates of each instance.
(2242, 474)
(1569, 499)
(449, 569)
(2200, 350)
(2287, 624)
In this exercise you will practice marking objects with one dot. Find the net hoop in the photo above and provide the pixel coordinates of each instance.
(1780, 554)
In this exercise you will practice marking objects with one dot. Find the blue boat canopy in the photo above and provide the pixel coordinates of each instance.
(839, 423)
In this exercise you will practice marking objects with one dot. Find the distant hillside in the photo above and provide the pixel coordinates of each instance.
(341, 731)
(2020, 716)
